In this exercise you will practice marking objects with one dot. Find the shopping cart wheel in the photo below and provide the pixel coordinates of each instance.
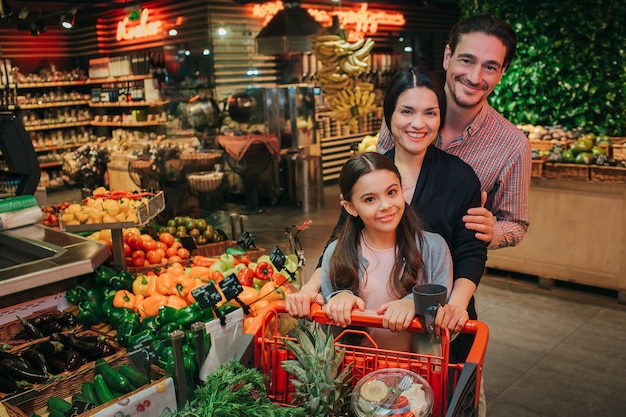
(462, 403)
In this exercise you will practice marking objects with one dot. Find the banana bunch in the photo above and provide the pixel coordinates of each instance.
(342, 63)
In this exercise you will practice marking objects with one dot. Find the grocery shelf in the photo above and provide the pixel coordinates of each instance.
(54, 104)
(56, 125)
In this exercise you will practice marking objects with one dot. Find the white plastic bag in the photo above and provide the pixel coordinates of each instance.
(225, 341)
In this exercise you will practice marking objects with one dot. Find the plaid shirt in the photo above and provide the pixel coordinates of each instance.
(500, 155)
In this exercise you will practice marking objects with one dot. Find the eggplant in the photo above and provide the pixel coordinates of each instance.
(58, 337)
(51, 327)
(35, 359)
(80, 344)
(68, 320)
(7, 382)
(49, 347)
(13, 357)
(23, 335)
(47, 318)
(19, 371)
(31, 328)
(72, 359)
(56, 365)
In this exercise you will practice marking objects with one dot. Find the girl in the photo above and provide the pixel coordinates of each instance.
(380, 252)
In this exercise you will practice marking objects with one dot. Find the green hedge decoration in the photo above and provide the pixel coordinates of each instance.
(570, 67)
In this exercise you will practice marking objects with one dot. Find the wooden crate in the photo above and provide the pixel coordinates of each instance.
(608, 174)
(537, 168)
(560, 171)
(619, 152)
(9, 330)
(545, 145)
(218, 248)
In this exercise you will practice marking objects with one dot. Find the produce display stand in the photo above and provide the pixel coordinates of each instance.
(145, 212)
(463, 378)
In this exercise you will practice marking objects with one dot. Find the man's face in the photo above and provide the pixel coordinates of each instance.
(474, 69)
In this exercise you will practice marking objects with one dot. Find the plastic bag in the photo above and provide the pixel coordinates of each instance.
(225, 342)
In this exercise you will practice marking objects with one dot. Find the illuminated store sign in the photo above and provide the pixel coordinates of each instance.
(127, 30)
(362, 19)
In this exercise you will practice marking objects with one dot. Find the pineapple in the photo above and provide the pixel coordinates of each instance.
(320, 388)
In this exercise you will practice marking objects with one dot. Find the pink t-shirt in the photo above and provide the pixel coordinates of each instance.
(375, 291)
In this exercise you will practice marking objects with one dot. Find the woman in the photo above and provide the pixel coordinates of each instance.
(440, 187)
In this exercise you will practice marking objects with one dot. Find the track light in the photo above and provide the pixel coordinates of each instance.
(67, 19)
(37, 27)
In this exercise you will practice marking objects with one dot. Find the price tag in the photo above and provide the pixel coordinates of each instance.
(246, 240)
(143, 356)
(156, 204)
(278, 258)
(142, 214)
(188, 243)
(79, 407)
(207, 296)
(151, 230)
(231, 287)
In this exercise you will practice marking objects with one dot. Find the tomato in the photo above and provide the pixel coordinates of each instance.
(127, 249)
(153, 256)
(171, 251)
(161, 252)
(166, 238)
(174, 259)
(135, 242)
(139, 253)
(161, 245)
(183, 253)
(138, 261)
(149, 244)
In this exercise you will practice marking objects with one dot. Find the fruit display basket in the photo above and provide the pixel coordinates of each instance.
(10, 330)
(608, 174)
(537, 168)
(456, 387)
(205, 182)
(560, 171)
(200, 161)
(546, 145)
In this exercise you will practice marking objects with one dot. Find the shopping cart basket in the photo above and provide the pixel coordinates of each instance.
(459, 382)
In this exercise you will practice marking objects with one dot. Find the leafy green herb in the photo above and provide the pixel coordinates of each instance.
(233, 390)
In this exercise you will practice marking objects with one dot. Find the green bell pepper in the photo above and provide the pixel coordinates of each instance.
(186, 316)
(164, 331)
(117, 315)
(165, 316)
(89, 313)
(104, 275)
(126, 330)
(76, 295)
(123, 281)
(144, 337)
(149, 323)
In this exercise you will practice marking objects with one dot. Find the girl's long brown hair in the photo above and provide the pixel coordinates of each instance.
(345, 260)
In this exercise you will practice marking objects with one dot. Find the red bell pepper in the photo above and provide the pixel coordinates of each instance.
(263, 271)
(245, 276)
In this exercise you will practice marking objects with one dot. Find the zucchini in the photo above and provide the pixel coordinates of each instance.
(88, 391)
(103, 392)
(115, 380)
(82, 398)
(58, 404)
(134, 375)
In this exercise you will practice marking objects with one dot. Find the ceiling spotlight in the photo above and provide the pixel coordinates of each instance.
(37, 27)
(67, 19)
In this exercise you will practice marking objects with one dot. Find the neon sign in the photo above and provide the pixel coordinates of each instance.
(362, 19)
(144, 29)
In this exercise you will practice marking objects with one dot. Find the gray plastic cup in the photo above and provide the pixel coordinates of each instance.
(427, 296)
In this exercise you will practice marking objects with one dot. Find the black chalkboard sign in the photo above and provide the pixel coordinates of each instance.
(143, 356)
(231, 287)
(79, 407)
(207, 296)
(277, 257)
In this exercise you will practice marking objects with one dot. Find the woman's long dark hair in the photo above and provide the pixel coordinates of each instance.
(345, 260)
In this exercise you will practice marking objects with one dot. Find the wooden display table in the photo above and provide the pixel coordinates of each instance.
(577, 234)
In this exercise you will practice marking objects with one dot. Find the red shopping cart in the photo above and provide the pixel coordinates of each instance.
(460, 382)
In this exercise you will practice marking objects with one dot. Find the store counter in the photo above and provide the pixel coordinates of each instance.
(34, 256)
(577, 234)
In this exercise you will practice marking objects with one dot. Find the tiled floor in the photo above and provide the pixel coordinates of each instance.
(551, 353)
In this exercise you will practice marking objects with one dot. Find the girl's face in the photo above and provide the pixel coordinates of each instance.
(415, 121)
(377, 198)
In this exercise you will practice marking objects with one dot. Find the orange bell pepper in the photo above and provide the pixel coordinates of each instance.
(152, 304)
(164, 284)
(258, 306)
(271, 292)
(125, 299)
(176, 302)
(197, 271)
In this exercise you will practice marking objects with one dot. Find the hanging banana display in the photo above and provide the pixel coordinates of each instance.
(342, 65)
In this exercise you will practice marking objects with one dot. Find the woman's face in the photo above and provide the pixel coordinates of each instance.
(415, 121)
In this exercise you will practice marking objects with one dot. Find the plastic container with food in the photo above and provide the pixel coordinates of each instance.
(392, 391)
